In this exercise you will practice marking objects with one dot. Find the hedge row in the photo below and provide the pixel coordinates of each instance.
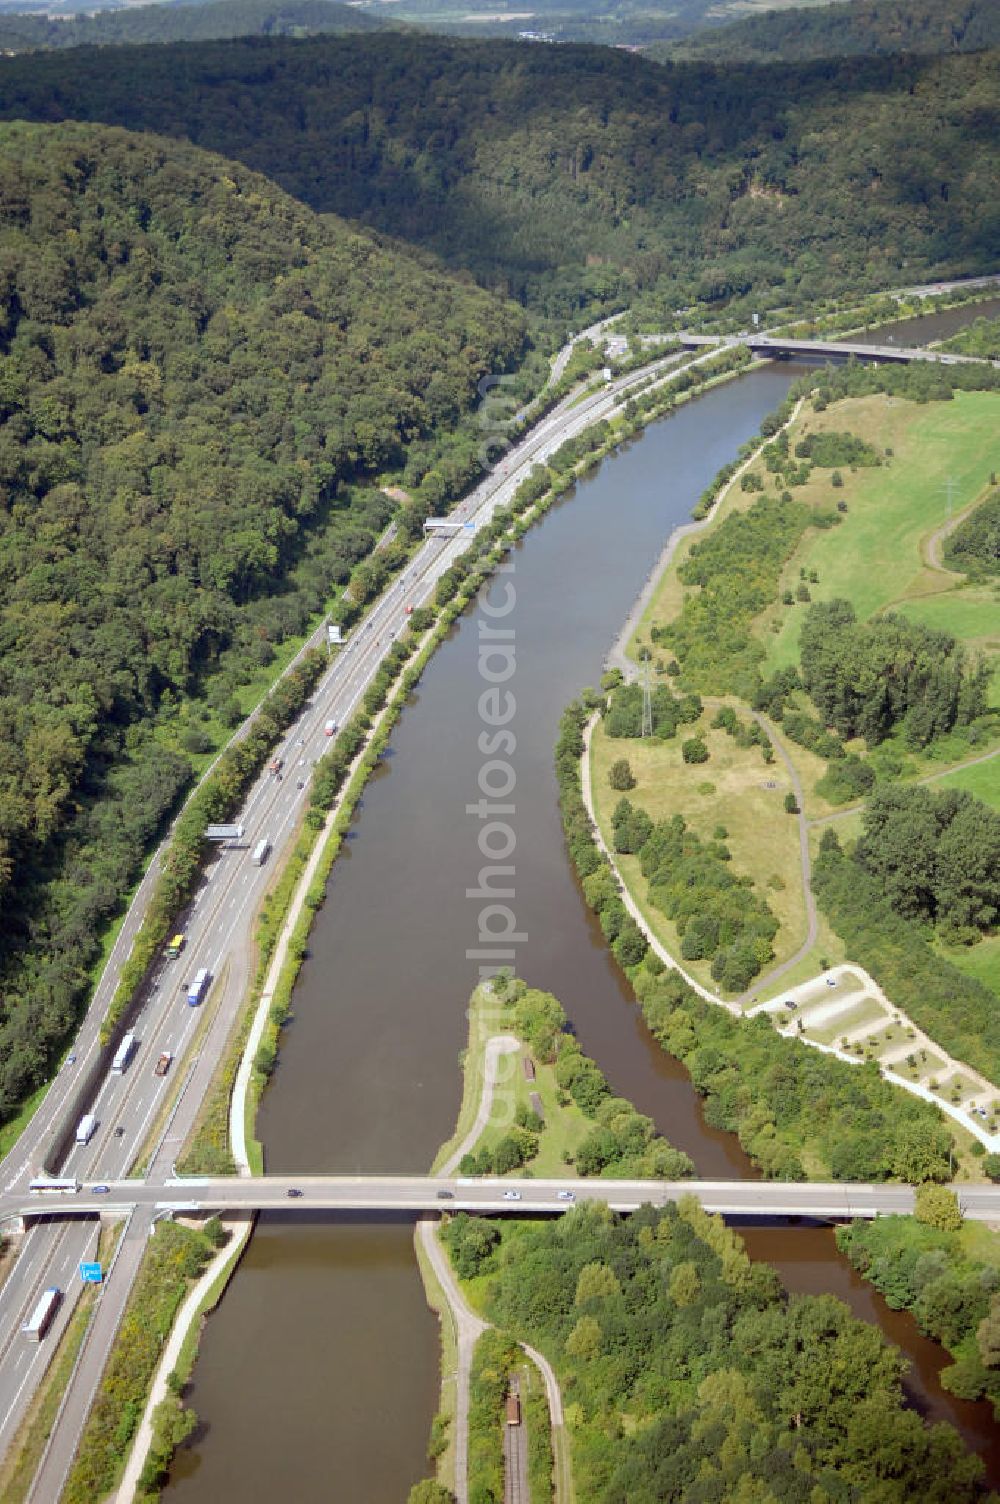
(791, 1106)
(175, 1256)
(217, 798)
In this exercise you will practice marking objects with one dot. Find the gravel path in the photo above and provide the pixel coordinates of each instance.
(496, 1048)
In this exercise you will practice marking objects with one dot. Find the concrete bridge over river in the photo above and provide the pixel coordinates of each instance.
(755, 1199)
(777, 346)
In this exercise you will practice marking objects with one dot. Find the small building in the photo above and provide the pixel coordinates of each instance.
(513, 1410)
(529, 1067)
(536, 1106)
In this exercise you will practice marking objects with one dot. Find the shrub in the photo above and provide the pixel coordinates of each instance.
(694, 750)
(620, 775)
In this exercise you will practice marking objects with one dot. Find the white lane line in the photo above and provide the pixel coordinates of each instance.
(5, 1420)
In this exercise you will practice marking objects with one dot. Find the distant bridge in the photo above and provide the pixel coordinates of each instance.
(835, 1201)
(777, 346)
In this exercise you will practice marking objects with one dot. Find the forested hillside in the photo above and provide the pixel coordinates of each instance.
(614, 22)
(193, 369)
(847, 27)
(184, 23)
(572, 175)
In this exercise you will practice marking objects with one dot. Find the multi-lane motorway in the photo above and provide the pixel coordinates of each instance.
(138, 1108)
(137, 1104)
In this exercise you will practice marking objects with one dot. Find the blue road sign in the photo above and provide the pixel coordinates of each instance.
(91, 1273)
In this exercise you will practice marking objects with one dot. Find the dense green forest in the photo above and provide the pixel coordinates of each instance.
(845, 28)
(866, 678)
(575, 176)
(718, 912)
(196, 376)
(183, 23)
(688, 1374)
(936, 856)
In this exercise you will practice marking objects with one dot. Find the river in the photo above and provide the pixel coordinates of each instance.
(319, 1371)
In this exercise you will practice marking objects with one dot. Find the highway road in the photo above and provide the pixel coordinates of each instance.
(841, 1200)
(218, 928)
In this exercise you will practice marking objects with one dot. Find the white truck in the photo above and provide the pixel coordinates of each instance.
(197, 987)
(40, 1319)
(123, 1054)
(86, 1128)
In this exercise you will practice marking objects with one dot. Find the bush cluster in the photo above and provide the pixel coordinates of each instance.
(788, 1104)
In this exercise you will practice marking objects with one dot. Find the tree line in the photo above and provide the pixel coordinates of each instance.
(855, 29)
(197, 378)
(867, 678)
(956, 1010)
(688, 1373)
(789, 1105)
(576, 178)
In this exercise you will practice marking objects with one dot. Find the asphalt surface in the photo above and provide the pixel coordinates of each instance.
(218, 928)
(734, 1198)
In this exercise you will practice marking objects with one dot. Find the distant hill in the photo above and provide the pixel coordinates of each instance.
(212, 21)
(572, 176)
(612, 22)
(845, 28)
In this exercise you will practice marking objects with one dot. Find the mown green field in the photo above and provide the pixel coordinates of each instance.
(877, 557)
(982, 779)
(981, 961)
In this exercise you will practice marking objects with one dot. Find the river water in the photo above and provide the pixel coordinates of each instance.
(317, 1378)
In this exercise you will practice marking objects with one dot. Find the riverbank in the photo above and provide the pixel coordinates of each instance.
(178, 1357)
(541, 1106)
(496, 1108)
(885, 520)
(415, 995)
(317, 847)
(498, 537)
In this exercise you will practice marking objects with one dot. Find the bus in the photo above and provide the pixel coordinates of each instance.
(40, 1319)
(196, 988)
(53, 1185)
(123, 1054)
(175, 947)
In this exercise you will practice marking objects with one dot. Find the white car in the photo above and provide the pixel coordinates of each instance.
(565, 1195)
(512, 1195)
(831, 981)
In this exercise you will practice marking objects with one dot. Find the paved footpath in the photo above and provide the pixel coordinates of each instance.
(468, 1326)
